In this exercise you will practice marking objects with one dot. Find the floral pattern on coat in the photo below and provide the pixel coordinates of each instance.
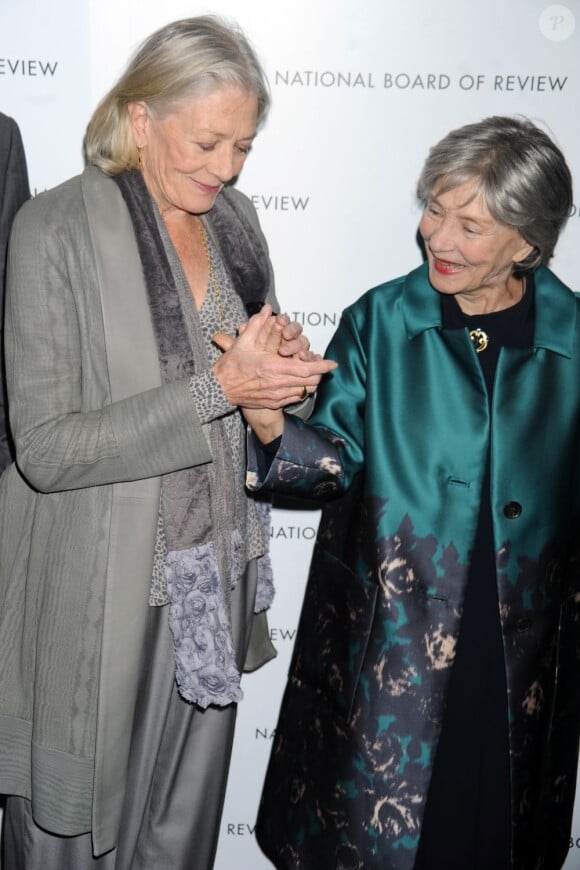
(363, 709)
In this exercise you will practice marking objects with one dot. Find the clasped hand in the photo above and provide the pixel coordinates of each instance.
(266, 367)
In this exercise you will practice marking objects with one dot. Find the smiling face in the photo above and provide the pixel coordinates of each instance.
(191, 152)
(470, 254)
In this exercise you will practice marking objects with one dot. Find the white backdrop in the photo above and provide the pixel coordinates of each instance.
(361, 89)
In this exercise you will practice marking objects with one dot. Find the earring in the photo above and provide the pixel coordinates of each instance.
(139, 157)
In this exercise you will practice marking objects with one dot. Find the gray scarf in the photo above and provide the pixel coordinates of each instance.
(197, 505)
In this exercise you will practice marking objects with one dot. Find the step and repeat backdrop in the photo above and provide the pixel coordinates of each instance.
(361, 89)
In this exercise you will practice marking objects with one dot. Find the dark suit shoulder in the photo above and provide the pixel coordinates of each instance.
(7, 124)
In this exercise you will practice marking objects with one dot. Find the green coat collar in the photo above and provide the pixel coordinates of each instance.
(555, 305)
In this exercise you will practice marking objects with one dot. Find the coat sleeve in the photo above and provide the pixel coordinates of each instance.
(321, 458)
(14, 191)
(60, 442)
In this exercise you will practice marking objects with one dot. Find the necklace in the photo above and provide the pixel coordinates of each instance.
(212, 282)
(479, 338)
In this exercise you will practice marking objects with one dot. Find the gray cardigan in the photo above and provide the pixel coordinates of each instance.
(94, 429)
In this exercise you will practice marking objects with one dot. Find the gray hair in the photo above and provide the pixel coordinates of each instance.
(182, 59)
(522, 174)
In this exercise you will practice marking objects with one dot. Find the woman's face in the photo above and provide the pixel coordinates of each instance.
(470, 254)
(188, 155)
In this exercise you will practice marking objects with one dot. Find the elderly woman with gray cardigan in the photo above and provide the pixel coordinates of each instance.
(134, 574)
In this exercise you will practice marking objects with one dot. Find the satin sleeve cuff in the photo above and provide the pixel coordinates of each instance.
(306, 463)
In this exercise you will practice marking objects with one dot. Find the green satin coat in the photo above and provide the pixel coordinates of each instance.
(408, 418)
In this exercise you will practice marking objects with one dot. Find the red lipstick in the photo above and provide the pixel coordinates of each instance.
(446, 268)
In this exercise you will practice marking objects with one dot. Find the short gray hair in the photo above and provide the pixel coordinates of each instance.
(520, 171)
(182, 59)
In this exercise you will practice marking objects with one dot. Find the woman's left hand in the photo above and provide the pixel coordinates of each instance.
(278, 352)
(292, 341)
(254, 374)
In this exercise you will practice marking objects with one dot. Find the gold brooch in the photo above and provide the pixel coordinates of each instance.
(479, 338)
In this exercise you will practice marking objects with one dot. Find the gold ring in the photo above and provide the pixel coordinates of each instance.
(304, 394)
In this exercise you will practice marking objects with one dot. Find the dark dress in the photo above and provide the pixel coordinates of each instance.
(467, 817)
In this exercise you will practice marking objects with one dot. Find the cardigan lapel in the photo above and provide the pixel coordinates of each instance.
(133, 368)
(131, 347)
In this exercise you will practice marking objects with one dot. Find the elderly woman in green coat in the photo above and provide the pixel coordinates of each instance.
(432, 713)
